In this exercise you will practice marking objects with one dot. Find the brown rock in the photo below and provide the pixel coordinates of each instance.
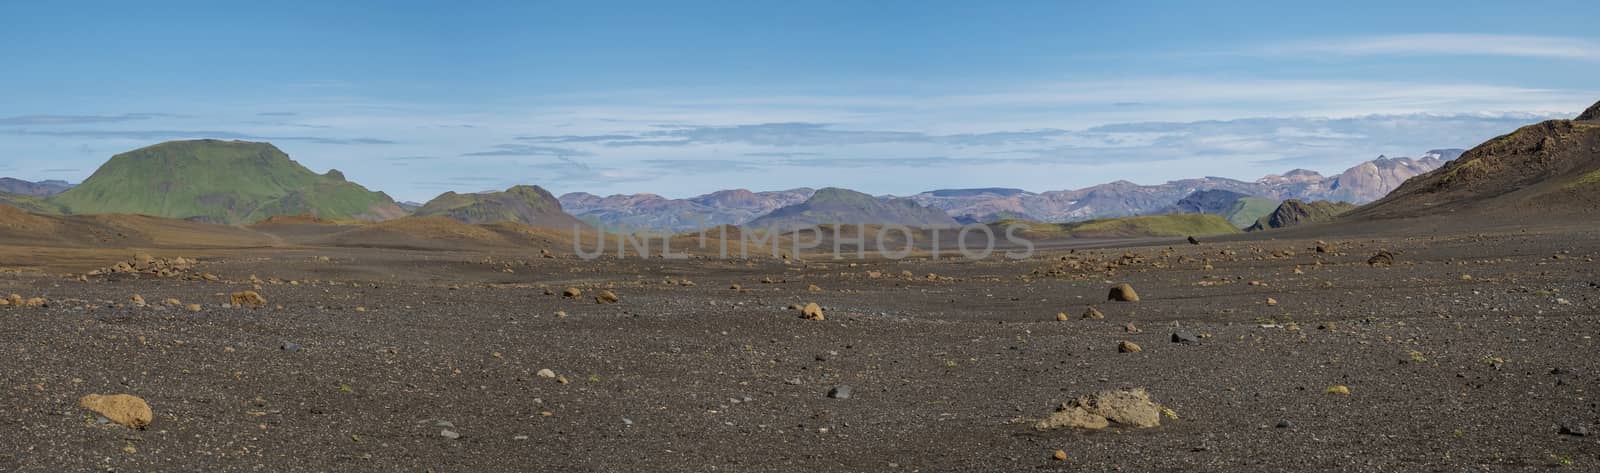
(123, 409)
(1061, 316)
(812, 311)
(1128, 347)
(813, 288)
(1384, 257)
(606, 297)
(1124, 293)
(572, 293)
(1060, 455)
(137, 300)
(1093, 313)
(247, 299)
(192, 307)
(1129, 407)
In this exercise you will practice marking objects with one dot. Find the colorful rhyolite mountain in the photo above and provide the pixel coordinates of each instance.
(1358, 184)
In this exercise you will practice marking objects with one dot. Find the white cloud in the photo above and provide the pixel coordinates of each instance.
(1448, 44)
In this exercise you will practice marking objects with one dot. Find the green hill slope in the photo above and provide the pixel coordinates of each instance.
(1296, 212)
(221, 182)
(843, 206)
(529, 205)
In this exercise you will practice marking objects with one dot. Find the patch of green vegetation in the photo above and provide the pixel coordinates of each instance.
(1247, 210)
(1587, 180)
(31, 203)
(218, 181)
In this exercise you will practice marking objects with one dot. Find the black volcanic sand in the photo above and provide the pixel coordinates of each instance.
(945, 371)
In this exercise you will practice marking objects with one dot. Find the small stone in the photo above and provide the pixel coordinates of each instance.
(1060, 455)
(606, 297)
(1095, 314)
(1123, 293)
(1131, 328)
(1285, 424)
(192, 307)
(1185, 337)
(572, 293)
(1271, 301)
(449, 434)
(1128, 347)
(546, 373)
(290, 347)
(1341, 390)
(1575, 430)
(1384, 258)
(839, 392)
(1061, 316)
(813, 288)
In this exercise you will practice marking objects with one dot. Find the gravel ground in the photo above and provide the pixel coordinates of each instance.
(1469, 354)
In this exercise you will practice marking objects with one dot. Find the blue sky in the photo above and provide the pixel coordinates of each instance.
(682, 98)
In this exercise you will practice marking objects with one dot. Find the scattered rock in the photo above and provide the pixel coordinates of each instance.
(839, 392)
(1131, 328)
(1271, 301)
(449, 434)
(1129, 407)
(290, 347)
(546, 373)
(192, 307)
(1325, 247)
(1341, 390)
(813, 288)
(247, 299)
(812, 311)
(1128, 347)
(123, 409)
(1574, 429)
(1285, 424)
(1095, 314)
(572, 293)
(606, 297)
(1123, 293)
(1185, 337)
(1384, 258)
(1193, 241)
(1060, 455)
(137, 300)
(1061, 316)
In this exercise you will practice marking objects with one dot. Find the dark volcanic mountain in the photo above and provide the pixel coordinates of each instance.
(530, 205)
(1543, 169)
(38, 189)
(842, 206)
(221, 182)
(1294, 212)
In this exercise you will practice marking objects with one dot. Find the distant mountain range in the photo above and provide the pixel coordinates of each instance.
(236, 182)
(843, 206)
(640, 212)
(37, 189)
(1359, 184)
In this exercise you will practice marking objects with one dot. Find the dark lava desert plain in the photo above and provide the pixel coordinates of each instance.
(1474, 350)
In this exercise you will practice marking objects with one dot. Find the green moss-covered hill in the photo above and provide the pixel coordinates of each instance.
(531, 205)
(217, 181)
